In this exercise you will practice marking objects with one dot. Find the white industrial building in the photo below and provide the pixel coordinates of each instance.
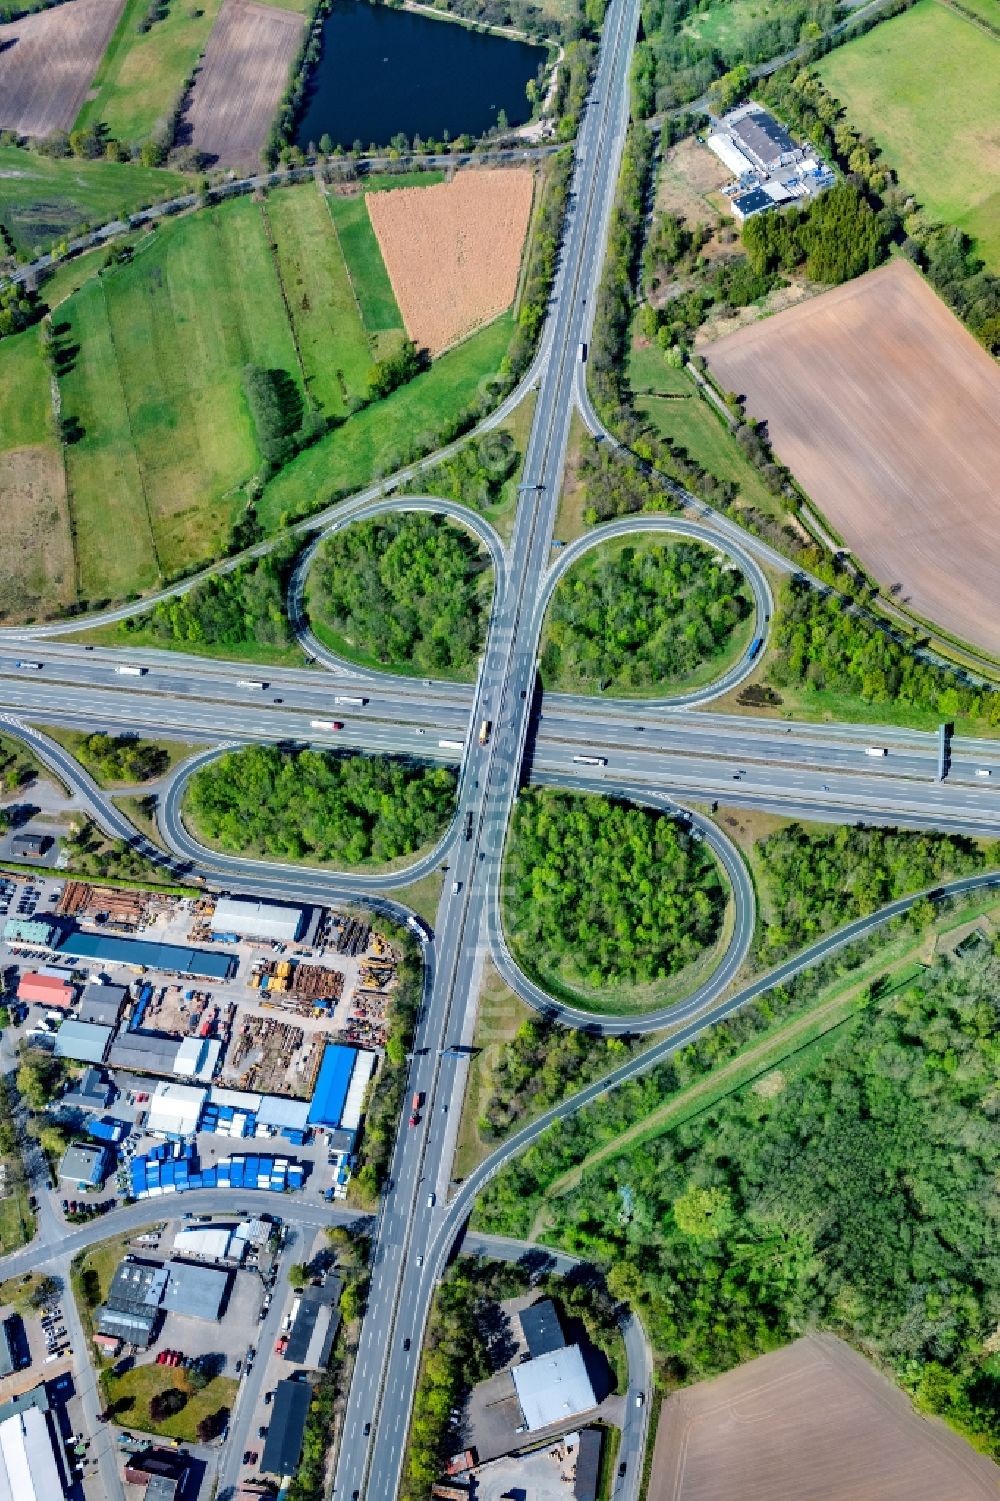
(28, 1467)
(553, 1388)
(220, 1242)
(261, 920)
(276, 1112)
(364, 1066)
(197, 1057)
(175, 1109)
(729, 154)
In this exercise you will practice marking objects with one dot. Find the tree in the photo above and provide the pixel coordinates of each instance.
(298, 1274)
(166, 1404)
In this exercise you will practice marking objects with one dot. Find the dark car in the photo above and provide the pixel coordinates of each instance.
(621, 1469)
(368, 1429)
(406, 1344)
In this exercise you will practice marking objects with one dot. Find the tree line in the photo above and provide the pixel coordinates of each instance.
(477, 475)
(319, 805)
(605, 893)
(857, 1193)
(819, 643)
(643, 618)
(245, 607)
(406, 589)
(384, 1105)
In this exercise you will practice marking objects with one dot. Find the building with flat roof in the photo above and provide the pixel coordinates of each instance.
(541, 1328)
(314, 1325)
(45, 990)
(283, 1445)
(83, 1042)
(729, 154)
(197, 1292)
(85, 1162)
(132, 1310)
(213, 1242)
(102, 1004)
(262, 920)
(588, 1465)
(753, 201)
(135, 953)
(760, 137)
(31, 1460)
(197, 1057)
(24, 846)
(175, 1109)
(145, 1052)
(554, 1388)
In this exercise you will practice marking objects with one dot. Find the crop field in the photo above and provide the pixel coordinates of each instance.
(47, 62)
(156, 388)
(887, 412)
(242, 78)
(453, 252)
(139, 83)
(36, 558)
(42, 198)
(333, 340)
(926, 86)
(366, 268)
(811, 1422)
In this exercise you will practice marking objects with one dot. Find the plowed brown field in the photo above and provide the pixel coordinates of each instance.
(453, 251)
(239, 86)
(47, 62)
(812, 1422)
(887, 412)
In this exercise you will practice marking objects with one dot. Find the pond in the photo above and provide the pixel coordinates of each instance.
(385, 72)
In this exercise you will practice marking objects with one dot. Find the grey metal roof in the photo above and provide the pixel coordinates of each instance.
(82, 1041)
(144, 1051)
(553, 1388)
(283, 1446)
(541, 1328)
(196, 1291)
(135, 1328)
(252, 919)
(101, 1004)
(83, 1163)
(588, 1465)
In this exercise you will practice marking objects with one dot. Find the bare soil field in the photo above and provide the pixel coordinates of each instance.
(887, 412)
(47, 62)
(453, 251)
(812, 1422)
(241, 80)
(36, 560)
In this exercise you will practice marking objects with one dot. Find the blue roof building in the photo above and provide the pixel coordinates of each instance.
(175, 958)
(332, 1085)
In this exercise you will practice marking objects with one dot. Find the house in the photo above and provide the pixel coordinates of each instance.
(91, 1091)
(314, 1325)
(26, 846)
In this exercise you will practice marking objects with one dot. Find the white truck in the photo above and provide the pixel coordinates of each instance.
(876, 750)
(125, 670)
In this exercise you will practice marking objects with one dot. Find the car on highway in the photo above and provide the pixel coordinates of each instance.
(640, 1398)
(367, 1429)
(431, 1200)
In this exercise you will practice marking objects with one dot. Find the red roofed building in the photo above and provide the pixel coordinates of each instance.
(46, 990)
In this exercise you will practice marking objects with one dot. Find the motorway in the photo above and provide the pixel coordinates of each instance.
(656, 752)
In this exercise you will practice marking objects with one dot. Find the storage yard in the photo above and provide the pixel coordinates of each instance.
(271, 1027)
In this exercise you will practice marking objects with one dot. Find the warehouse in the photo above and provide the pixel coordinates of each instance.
(45, 990)
(30, 931)
(82, 1042)
(364, 1067)
(197, 1292)
(541, 1329)
(283, 1446)
(171, 958)
(197, 1057)
(761, 138)
(102, 1004)
(554, 1388)
(132, 1309)
(315, 1321)
(175, 1109)
(30, 1467)
(265, 921)
(84, 1163)
(145, 1052)
(213, 1242)
(729, 154)
(332, 1084)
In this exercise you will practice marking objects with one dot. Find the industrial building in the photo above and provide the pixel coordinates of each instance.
(102, 1004)
(134, 953)
(83, 1042)
(91, 1091)
(554, 1388)
(132, 1310)
(769, 167)
(588, 1465)
(761, 137)
(283, 1445)
(31, 932)
(197, 1292)
(145, 1052)
(85, 1163)
(175, 1109)
(45, 990)
(32, 1464)
(220, 1242)
(332, 1084)
(265, 921)
(541, 1328)
(315, 1320)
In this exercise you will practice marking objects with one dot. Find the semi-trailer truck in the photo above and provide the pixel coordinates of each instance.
(125, 670)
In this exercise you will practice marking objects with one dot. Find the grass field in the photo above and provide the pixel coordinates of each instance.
(142, 74)
(42, 199)
(156, 388)
(25, 399)
(144, 1381)
(346, 459)
(725, 24)
(332, 339)
(670, 401)
(926, 86)
(369, 278)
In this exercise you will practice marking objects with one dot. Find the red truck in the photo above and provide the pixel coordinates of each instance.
(418, 1100)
